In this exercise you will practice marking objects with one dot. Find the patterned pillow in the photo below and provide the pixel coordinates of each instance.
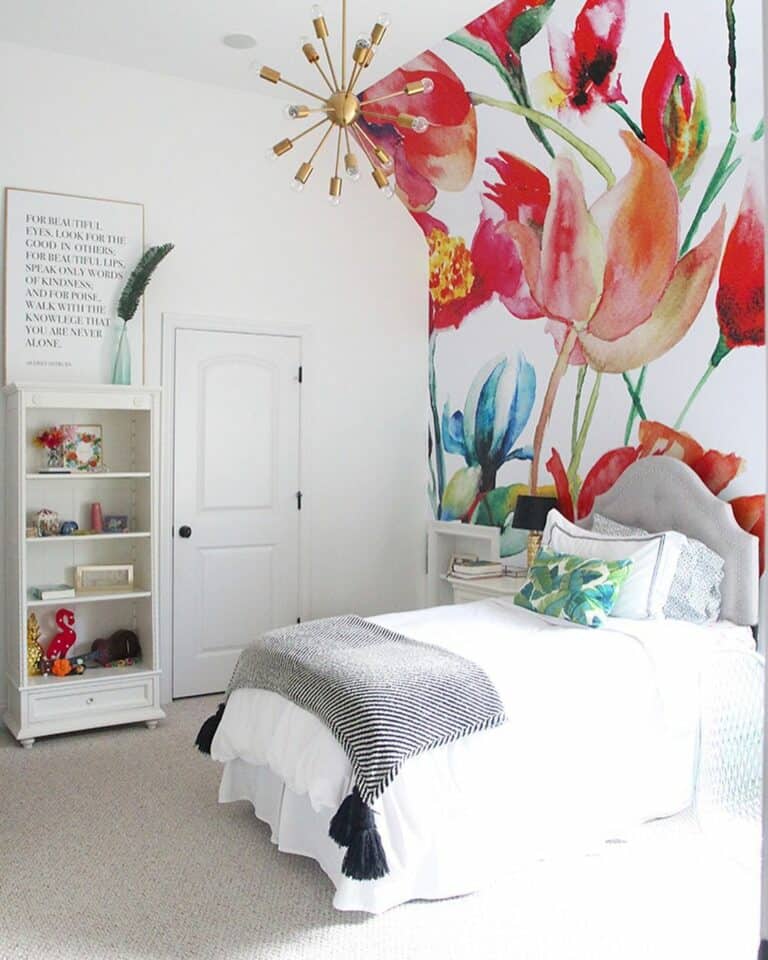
(695, 592)
(575, 588)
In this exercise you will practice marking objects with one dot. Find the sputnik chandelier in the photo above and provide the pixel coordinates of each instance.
(342, 110)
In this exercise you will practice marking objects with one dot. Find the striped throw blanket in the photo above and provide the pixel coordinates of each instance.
(385, 698)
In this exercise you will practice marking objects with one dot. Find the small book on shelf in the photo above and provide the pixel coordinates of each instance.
(57, 591)
(467, 568)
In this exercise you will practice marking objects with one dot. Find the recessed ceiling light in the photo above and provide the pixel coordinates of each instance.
(239, 41)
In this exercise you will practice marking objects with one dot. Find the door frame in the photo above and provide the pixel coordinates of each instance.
(171, 323)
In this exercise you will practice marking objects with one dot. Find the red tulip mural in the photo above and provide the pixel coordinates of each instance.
(599, 224)
(674, 113)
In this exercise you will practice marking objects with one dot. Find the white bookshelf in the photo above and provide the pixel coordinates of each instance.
(129, 486)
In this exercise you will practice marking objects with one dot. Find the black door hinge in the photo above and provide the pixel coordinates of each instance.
(298, 500)
(301, 374)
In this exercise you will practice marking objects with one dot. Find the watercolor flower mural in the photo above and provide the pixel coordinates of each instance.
(441, 158)
(497, 410)
(674, 114)
(605, 267)
(584, 64)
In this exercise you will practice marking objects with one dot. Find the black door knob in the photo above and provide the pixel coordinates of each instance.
(185, 532)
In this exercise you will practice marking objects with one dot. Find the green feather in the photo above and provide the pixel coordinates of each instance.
(136, 284)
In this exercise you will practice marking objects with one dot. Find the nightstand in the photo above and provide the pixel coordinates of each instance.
(465, 591)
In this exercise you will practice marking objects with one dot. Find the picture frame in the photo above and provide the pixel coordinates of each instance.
(66, 260)
(116, 523)
(83, 452)
(104, 578)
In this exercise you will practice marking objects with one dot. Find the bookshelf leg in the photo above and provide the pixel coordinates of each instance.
(27, 744)
(151, 724)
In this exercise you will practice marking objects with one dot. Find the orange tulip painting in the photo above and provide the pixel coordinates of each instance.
(584, 192)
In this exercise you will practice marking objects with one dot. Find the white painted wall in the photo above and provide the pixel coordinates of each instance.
(246, 246)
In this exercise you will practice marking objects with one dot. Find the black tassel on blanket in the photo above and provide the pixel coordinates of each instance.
(354, 826)
(208, 730)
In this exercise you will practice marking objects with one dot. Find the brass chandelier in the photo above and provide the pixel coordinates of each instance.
(342, 110)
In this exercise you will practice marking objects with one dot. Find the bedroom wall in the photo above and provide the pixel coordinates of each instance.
(561, 298)
(246, 246)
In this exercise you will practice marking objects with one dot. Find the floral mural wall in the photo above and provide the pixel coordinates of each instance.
(589, 187)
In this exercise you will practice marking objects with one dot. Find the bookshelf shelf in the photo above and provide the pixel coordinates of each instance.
(104, 475)
(91, 598)
(85, 537)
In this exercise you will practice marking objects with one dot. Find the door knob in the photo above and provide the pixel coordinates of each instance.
(185, 532)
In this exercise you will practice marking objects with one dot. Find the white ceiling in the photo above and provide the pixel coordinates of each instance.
(183, 37)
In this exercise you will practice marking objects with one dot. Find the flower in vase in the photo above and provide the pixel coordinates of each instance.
(485, 433)
(608, 277)
(674, 114)
(441, 158)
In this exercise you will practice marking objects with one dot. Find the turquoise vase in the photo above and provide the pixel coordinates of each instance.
(121, 371)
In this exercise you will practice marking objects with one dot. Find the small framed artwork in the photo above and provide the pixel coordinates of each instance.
(104, 578)
(83, 448)
(116, 523)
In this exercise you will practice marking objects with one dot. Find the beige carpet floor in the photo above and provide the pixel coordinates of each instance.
(113, 847)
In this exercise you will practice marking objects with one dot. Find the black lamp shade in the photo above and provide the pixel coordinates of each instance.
(531, 512)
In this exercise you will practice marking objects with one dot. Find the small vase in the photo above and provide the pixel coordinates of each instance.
(121, 371)
(55, 458)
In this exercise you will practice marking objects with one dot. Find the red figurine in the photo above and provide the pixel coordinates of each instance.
(59, 646)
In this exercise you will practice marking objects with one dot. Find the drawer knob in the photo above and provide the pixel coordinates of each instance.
(89, 700)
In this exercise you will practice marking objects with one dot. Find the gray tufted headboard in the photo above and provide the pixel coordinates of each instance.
(661, 493)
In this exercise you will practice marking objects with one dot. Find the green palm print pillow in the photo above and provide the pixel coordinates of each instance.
(575, 588)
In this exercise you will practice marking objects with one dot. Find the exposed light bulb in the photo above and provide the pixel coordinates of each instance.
(428, 83)
(296, 185)
(334, 201)
(363, 41)
(256, 65)
(388, 191)
(316, 12)
(270, 154)
(304, 39)
(420, 125)
(294, 111)
(351, 167)
(353, 173)
(384, 19)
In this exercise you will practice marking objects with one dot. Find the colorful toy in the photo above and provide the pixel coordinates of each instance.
(62, 641)
(62, 667)
(34, 650)
(68, 528)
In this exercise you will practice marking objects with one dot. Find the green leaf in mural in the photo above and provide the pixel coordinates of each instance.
(496, 506)
(460, 493)
(530, 22)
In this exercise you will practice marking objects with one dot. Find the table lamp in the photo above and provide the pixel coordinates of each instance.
(531, 515)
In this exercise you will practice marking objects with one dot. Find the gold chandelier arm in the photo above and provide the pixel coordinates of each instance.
(381, 116)
(338, 152)
(310, 129)
(363, 134)
(330, 61)
(295, 86)
(408, 91)
(324, 75)
(344, 46)
(361, 144)
(356, 71)
(321, 144)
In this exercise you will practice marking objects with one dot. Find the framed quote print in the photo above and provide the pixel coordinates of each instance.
(66, 261)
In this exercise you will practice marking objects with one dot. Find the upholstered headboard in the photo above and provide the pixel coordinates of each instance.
(661, 493)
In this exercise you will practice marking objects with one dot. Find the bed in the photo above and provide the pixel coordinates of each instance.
(602, 732)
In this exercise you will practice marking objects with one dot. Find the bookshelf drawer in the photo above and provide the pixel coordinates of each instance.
(46, 705)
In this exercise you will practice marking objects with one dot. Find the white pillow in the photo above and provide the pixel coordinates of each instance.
(654, 561)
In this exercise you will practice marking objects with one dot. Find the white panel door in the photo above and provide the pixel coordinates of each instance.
(236, 516)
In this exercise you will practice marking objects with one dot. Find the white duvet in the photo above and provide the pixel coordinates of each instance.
(601, 735)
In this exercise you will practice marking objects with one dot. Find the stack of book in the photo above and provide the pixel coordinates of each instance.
(58, 591)
(467, 569)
